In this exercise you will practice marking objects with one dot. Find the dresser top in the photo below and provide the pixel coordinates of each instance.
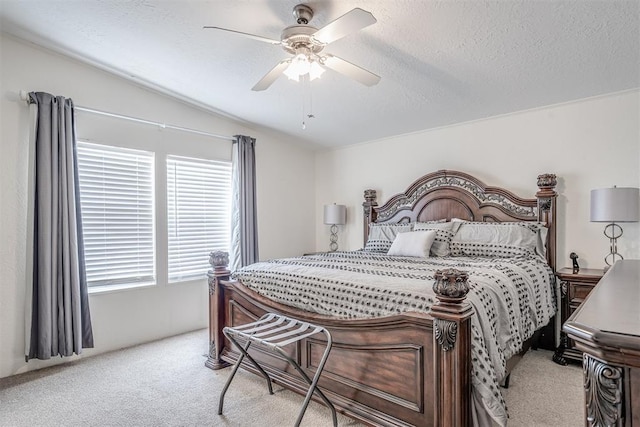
(611, 313)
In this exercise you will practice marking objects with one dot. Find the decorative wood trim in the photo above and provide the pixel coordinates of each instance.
(219, 261)
(452, 349)
(451, 285)
(412, 352)
(547, 212)
(603, 393)
(558, 355)
(445, 332)
(504, 199)
(369, 212)
(445, 194)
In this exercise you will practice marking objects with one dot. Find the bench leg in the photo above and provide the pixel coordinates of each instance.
(228, 383)
(313, 386)
(243, 353)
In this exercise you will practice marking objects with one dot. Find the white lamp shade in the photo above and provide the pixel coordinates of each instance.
(335, 214)
(617, 204)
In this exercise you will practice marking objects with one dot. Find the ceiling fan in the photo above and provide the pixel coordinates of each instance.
(306, 44)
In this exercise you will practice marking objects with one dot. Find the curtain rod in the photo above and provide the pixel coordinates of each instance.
(24, 95)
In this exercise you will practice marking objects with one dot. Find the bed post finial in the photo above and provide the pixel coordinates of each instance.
(451, 349)
(547, 196)
(219, 261)
(451, 285)
(369, 211)
(547, 181)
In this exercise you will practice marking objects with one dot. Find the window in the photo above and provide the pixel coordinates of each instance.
(198, 214)
(116, 194)
(121, 199)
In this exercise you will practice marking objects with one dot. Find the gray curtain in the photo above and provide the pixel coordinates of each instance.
(244, 223)
(60, 319)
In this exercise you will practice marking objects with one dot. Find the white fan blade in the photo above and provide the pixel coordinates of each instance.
(253, 36)
(271, 76)
(359, 74)
(348, 23)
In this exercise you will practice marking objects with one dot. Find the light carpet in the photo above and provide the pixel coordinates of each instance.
(165, 383)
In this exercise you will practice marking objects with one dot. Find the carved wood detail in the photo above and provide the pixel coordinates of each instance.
(469, 184)
(452, 347)
(546, 196)
(451, 194)
(219, 261)
(451, 285)
(369, 212)
(563, 288)
(445, 332)
(603, 393)
(547, 181)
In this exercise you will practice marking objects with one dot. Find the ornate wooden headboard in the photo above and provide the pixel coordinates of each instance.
(447, 194)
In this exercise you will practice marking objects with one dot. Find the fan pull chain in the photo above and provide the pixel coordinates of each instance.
(307, 101)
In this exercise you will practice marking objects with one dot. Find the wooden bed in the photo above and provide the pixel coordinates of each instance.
(402, 370)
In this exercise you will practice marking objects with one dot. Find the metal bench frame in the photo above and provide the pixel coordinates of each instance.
(272, 332)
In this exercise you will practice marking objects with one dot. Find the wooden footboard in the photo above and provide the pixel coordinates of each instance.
(411, 369)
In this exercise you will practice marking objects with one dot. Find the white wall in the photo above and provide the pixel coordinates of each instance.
(588, 144)
(285, 175)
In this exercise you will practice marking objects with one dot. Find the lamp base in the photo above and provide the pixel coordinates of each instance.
(333, 239)
(613, 231)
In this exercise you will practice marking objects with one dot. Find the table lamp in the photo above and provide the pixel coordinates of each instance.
(335, 215)
(613, 205)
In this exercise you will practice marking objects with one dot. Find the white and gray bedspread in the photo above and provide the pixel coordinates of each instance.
(512, 298)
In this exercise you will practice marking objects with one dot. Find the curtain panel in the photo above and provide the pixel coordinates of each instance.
(60, 322)
(244, 222)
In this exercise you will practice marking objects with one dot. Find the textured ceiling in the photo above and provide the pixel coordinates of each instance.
(441, 62)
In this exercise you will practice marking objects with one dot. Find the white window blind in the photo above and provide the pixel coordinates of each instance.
(198, 214)
(116, 194)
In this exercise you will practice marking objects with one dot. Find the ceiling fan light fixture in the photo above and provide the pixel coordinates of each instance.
(300, 65)
(315, 70)
(291, 73)
(303, 64)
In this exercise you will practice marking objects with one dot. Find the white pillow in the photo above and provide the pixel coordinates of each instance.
(412, 243)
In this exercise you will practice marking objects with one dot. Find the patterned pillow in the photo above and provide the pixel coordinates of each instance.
(500, 239)
(382, 235)
(444, 233)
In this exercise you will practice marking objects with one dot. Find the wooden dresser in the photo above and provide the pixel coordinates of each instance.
(606, 327)
(574, 288)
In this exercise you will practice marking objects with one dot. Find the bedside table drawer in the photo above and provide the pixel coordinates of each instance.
(578, 292)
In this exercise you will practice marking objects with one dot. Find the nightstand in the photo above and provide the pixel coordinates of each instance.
(574, 288)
